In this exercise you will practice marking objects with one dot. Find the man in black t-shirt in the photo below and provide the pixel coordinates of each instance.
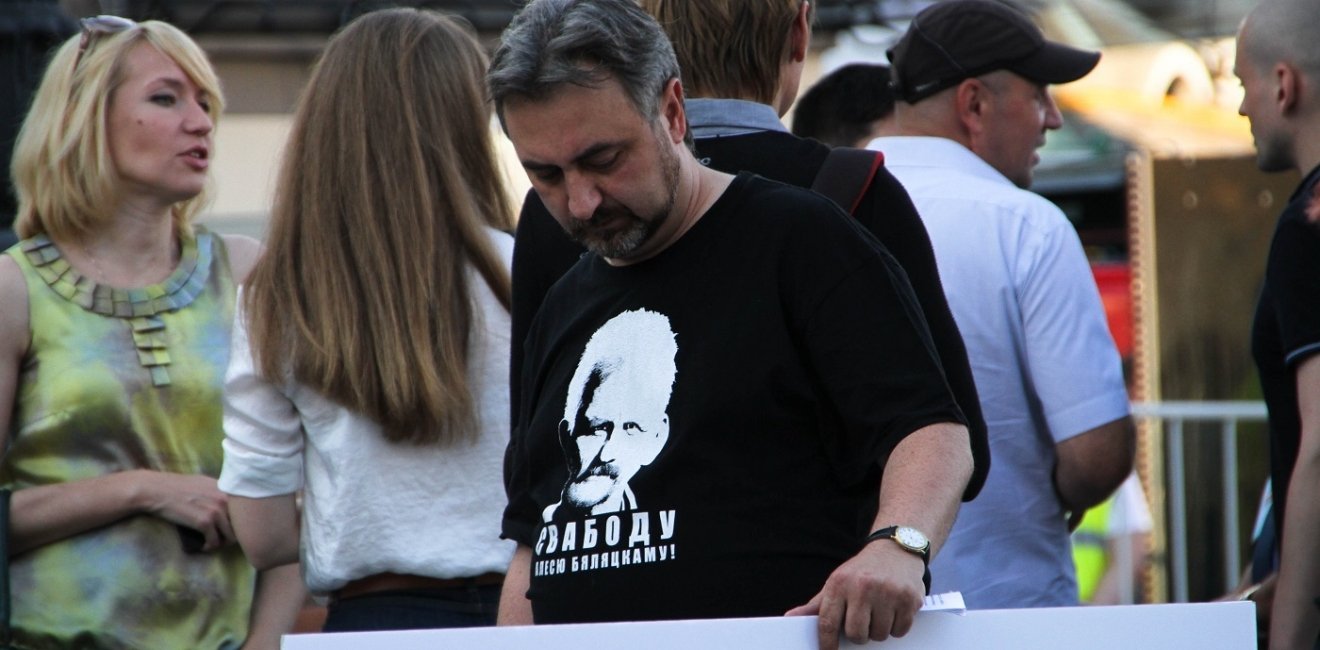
(1278, 64)
(736, 91)
(804, 404)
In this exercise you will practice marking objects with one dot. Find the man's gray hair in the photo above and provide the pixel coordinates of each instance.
(585, 43)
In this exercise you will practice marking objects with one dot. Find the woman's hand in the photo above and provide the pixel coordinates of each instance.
(192, 501)
(48, 513)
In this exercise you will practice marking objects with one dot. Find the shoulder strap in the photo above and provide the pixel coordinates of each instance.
(846, 174)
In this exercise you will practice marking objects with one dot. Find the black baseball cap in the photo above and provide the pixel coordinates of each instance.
(958, 39)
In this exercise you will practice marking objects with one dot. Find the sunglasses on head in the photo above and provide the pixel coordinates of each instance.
(95, 26)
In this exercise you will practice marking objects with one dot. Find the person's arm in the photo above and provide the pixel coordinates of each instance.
(243, 254)
(14, 340)
(1110, 590)
(1253, 586)
(1072, 362)
(49, 513)
(542, 253)
(1295, 621)
(886, 211)
(878, 592)
(45, 514)
(867, 341)
(1262, 594)
(515, 608)
(279, 597)
(267, 529)
(1127, 545)
(262, 469)
(1090, 466)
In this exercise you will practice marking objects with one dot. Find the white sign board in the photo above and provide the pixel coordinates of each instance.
(1204, 626)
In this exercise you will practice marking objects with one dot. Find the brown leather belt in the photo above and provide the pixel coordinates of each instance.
(403, 582)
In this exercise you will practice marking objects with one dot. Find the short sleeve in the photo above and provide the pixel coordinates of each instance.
(1072, 362)
(520, 514)
(263, 433)
(868, 343)
(1294, 280)
(887, 212)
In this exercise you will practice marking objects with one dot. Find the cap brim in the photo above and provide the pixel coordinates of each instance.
(1054, 63)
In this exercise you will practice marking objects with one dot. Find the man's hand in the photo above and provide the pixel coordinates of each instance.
(872, 596)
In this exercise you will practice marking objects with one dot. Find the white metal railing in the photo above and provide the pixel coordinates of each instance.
(1175, 415)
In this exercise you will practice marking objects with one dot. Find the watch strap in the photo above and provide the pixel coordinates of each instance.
(888, 533)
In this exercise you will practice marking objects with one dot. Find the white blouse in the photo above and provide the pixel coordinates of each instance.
(371, 506)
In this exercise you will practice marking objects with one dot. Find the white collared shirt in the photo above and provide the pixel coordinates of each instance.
(1046, 368)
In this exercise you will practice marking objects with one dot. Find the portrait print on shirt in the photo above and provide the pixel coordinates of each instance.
(616, 417)
(615, 424)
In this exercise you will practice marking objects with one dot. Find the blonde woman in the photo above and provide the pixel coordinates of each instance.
(113, 345)
(370, 364)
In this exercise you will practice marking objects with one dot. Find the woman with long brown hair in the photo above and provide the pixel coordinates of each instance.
(370, 358)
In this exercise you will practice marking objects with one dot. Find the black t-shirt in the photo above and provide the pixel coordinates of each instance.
(543, 253)
(1286, 332)
(744, 387)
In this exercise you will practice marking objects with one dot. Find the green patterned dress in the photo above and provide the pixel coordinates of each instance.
(115, 380)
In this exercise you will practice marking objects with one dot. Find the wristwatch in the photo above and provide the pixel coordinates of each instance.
(910, 539)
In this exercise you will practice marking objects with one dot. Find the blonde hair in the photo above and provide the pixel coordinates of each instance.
(62, 168)
(729, 48)
(388, 184)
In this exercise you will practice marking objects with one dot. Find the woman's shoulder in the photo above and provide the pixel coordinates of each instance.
(243, 254)
(11, 276)
(503, 243)
(14, 296)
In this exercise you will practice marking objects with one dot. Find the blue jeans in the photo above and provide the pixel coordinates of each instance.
(414, 609)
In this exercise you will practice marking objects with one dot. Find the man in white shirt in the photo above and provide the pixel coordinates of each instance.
(972, 76)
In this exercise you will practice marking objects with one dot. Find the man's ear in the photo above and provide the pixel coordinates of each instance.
(673, 112)
(971, 102)
(1287, 87)
(799, 34)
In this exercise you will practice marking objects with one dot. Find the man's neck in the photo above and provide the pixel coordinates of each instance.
(708, 185)
(932, 118)
(1308, 152)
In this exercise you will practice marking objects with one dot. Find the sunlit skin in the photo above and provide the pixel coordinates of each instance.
(159, 130)
(1019, 112)
(608, 175)
(1273, 145)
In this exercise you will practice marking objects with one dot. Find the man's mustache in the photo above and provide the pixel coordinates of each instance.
(604, 214)
(607, 470)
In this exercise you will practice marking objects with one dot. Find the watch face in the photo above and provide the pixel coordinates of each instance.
(911, 538)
